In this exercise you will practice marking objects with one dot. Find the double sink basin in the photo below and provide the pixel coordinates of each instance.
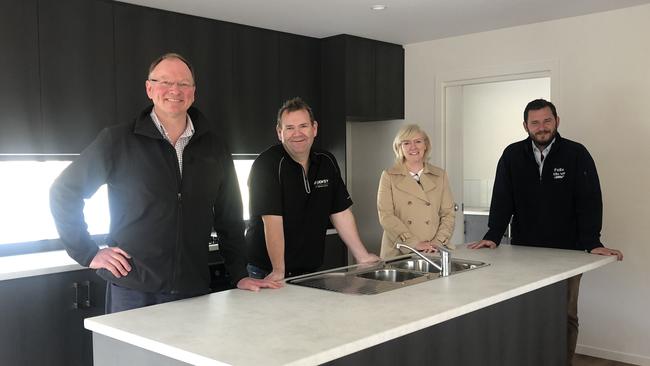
(383, 276)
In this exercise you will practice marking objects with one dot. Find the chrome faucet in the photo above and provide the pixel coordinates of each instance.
(445, 258)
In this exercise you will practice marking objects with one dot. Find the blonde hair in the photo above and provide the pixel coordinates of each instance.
(408, 132)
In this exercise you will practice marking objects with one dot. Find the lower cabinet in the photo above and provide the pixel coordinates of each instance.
(42, 318)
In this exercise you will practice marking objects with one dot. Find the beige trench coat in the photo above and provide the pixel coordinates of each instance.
(410, 213)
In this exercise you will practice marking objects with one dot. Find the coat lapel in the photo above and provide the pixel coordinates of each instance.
(409, 185)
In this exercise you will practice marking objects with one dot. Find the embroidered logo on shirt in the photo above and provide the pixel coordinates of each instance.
(322, 183)
(558, 173)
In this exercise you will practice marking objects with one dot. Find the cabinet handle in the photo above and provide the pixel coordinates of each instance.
(87, 303)
(75, 302)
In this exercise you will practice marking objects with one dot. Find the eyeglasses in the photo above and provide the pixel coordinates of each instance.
(169, 84)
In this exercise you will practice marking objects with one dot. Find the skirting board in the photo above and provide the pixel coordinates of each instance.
(630, 358)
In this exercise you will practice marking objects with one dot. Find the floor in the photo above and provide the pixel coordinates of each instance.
(584, 360)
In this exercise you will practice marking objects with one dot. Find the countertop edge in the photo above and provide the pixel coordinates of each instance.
(357, 345)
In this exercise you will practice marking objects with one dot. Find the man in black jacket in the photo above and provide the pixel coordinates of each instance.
(549, 186)
(170, 181)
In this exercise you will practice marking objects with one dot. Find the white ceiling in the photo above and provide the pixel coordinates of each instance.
(403, 22)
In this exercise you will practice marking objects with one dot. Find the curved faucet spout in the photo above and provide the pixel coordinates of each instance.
(445, 261)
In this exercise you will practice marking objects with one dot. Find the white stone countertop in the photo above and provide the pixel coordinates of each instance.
(35, 264)
(478, 211)
(304, 326)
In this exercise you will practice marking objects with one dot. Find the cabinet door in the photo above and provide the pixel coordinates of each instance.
(300, 67)
(20, 121)
(256, 90)
(42, 326)
(143, 34)
(389, 86)
(77, 78)
(360, 78)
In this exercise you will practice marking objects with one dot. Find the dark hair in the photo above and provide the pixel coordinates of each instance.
(292, 105)
(538, 104)
(172, 55)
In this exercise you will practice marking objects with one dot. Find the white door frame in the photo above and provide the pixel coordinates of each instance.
(544, 68)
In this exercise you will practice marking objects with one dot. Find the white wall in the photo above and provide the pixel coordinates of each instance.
(602, 89)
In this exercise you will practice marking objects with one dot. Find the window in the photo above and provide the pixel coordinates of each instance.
(243, 169)
(24, 195)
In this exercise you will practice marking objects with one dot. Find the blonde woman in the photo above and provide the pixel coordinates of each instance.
(414, 201)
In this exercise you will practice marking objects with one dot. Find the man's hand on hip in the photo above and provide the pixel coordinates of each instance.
(113, 259)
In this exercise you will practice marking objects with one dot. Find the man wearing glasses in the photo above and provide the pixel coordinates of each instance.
(170, 181)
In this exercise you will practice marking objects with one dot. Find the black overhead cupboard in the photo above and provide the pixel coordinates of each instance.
(72, 67)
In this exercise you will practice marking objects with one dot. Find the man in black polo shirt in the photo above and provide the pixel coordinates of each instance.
(294, 192)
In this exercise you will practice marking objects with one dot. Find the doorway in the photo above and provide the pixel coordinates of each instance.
(481, 117)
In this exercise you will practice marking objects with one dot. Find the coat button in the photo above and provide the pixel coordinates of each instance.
(409, 222)
(409, 203)
(427, 222)
(428, 204)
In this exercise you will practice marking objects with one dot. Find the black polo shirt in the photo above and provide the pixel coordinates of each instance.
(279, 186)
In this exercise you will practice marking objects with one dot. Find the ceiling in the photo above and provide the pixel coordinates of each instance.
(402, 22)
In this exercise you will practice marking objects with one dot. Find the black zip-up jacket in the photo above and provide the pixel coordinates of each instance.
(162, 220)
(562, 208)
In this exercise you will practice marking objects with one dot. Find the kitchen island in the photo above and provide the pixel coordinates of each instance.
(305, 326)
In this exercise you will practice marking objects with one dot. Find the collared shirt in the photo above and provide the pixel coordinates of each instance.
(538, 154)
(417, 175)
(182, 141)
(280, 186)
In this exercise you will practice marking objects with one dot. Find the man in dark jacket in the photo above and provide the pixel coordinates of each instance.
(549, 186)
(170, 181)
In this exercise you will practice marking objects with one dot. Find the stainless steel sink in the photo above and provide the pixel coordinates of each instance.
(385, 276)
(420, 265)
(391, 275)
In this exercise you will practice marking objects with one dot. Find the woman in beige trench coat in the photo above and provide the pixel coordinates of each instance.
(414, 200)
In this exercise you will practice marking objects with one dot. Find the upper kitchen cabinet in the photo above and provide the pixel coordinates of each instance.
(300, 64)
(143, 34)
(20, 114)
(76, 68)
(256, 90)
(389, 81)
(372, 77)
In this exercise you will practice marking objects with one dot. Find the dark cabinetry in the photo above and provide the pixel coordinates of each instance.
(362, 80)
(42, 318)
(76, 70)
(20, 120)
(256, 90)
(389, 81)
(76, 66)
(299, 70)
(372, 78)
